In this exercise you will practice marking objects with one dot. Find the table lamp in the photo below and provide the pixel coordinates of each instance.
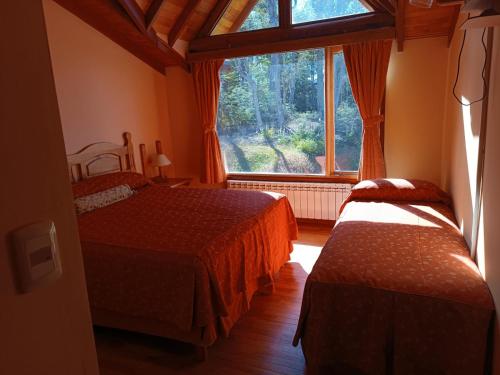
(161, 161)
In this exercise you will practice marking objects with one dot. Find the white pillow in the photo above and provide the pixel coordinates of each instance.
(102, 199)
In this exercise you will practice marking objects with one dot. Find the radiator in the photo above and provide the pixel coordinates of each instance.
(320, 201)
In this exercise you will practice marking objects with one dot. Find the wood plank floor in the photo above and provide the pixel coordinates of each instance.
(260, 343)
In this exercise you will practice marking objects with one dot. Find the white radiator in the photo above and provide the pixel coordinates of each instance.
(320, 201)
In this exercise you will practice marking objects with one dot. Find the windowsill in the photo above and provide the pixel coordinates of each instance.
(344, 178)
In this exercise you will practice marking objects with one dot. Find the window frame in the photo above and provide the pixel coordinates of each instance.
(330, 174)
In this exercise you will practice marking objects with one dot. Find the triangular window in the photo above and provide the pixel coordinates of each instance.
(248, 15)
(264, 15)
(316, 10)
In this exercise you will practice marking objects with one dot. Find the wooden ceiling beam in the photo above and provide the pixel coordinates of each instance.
(349, 29)
(139, 19)
(109, 18)
(288, 45)
(214, 18)
(387, 6)
(152, 12)
(135, 13)
(182, 22)
(400, 24)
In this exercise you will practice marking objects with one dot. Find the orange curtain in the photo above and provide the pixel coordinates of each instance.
(367, 64)
(207, 88)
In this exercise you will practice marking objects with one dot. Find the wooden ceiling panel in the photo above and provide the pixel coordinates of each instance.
(197, 19)
(426, 23)
(144, 4)
(167, 15)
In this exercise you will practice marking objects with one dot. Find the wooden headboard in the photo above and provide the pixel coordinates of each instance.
(102, 158)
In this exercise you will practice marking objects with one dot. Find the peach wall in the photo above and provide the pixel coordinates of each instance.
(462, 125)
(416, 84)
(47, 331)
(186, 128)
(460, 150)
(103, 90)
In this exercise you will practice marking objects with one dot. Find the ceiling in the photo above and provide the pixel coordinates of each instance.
(167, 32)
(428, 23)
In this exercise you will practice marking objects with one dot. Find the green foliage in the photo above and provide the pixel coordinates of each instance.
(263, 16)
(271, 112)
(313, 10)
(259, 157)
(310, 140)
(308, 146)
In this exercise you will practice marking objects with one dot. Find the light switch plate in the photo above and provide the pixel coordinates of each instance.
(36, 254)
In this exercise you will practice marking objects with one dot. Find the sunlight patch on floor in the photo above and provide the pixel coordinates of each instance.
(306, 255)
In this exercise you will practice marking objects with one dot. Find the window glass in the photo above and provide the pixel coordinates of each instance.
(264, 15)
(348, 125)
(271, 116)
(315, 10)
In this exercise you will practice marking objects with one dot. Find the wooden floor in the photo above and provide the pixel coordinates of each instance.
(260, 343)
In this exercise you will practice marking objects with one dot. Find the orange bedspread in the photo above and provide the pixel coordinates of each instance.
(395, 291)
(187, 257)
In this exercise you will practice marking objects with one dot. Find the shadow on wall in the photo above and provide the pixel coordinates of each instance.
(462, 137)
(489, 237)
(462, 128)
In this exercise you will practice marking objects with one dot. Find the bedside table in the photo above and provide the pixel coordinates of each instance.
(172, 182)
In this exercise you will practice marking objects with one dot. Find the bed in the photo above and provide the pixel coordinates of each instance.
(178, 263)
(394, 290)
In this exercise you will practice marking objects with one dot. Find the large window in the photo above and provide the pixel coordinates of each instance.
(288, 113)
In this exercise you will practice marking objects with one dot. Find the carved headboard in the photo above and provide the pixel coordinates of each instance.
(102, 158)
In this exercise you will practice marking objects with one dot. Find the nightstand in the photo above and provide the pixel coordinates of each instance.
(172, 182)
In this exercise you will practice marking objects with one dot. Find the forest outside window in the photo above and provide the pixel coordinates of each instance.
(264, 15)
(289, 113)
(317, 10)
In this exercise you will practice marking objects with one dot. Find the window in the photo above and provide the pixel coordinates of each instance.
(248, 16)
(273, 116)
(264, 15)
(316, 10)
(348, 124)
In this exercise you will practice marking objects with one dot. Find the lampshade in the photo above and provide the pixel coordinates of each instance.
(161, 160)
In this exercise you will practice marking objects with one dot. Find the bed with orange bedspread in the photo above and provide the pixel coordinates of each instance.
(394, 290)
(183, 263)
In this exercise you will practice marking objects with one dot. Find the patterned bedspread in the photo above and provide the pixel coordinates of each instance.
(395, 291)
(184, 256)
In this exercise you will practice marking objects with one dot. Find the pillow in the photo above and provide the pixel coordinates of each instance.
(397, 189)
(102, 199)
(96, 184)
